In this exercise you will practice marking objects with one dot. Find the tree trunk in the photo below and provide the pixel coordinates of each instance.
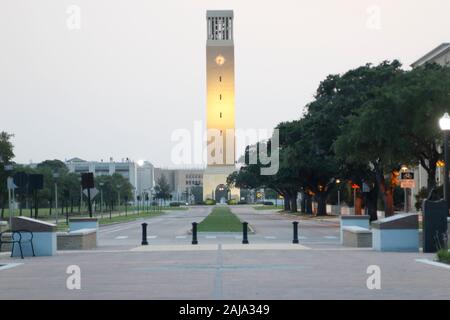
(293, 204)
(308, 203)
(358, 203)
(386, 193)
(287, 203)
(371, 204)
(321, 198)
(431, 180)
(303, 203)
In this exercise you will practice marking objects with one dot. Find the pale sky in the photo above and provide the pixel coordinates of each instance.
(135, 70)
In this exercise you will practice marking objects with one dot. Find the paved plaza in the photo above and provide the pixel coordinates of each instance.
(220, 267)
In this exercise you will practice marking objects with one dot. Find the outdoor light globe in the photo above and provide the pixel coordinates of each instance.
(444, 122)
(140, 163)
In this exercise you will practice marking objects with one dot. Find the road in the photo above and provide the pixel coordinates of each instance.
(174, 228)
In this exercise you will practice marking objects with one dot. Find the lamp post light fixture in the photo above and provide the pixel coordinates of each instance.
(338, 182)
(444, 124)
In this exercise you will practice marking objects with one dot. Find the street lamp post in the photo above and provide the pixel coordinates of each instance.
(444, 123)
(101, 199)
(56, 176)
(338, 182)
(118, 197)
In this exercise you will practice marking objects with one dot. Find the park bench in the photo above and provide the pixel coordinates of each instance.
(358, 237)
(82, 239)
(18, 237)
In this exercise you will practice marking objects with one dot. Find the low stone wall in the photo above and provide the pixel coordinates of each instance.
(3, 226)
(6, 247)
(76, 224)
(351, 220)
(357, 237)
(397, 233)
(83, 239)
(44, 236)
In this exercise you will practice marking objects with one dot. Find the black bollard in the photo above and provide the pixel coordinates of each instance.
(194, 233)
(144, 234)
(244, 231)
(295, 225)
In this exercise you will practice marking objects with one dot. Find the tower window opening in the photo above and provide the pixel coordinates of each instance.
(220, 96)
(221, 115)
(220, 78)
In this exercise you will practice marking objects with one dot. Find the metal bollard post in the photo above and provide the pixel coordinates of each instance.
(194, 233)
(244, 231)
(144, 234)
(295, 225)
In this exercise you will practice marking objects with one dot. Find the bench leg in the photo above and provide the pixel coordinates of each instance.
(32, 248)
(20, 247)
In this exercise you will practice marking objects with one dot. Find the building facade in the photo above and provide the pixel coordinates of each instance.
(141, 178)
(220, 118)
(185, 184)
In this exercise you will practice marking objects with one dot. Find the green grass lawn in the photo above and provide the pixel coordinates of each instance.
(221, 219)
(273, 207)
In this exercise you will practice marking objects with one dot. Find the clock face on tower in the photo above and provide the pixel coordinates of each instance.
(220, 60)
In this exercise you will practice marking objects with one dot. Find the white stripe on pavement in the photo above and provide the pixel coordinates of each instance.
(180, 237)
(121, 237)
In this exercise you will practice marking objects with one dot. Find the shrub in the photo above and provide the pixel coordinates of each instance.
(443, 255)
(210, 202)
(175, 204)
(200, 203)
(242, 202)
(232, 201)
(268, 203)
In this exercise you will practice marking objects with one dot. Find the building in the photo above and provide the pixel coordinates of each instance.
(144, 177)
(140, 177)
(185, 184)
(220, 121)
(441, 56)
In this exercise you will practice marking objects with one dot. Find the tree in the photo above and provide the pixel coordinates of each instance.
(423, 97)
(6, 155)
(162, 188)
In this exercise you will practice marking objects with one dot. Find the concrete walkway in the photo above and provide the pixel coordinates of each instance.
(220, 267)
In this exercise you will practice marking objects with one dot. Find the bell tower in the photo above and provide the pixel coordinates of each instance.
(220, 122)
